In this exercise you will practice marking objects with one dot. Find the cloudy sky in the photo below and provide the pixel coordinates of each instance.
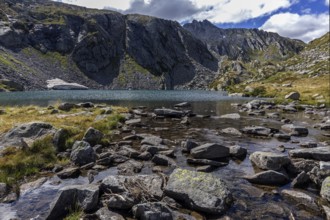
(300, 19)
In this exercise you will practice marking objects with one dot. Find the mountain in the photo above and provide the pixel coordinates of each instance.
(41, 40)
(244, 44)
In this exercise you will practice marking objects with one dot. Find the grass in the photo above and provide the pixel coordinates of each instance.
(74, 215)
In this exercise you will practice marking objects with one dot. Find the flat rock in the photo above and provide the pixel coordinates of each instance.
(67, 106)
(231, 131)
(269, 160)
(234, 116)
(210, 151)
(58, 84)
(152, 140)
(256, 131)
(268, 177)
(318, 153)
(325, 189)
(295, 130)
(324, 165)
(72, 172)
(301, 199)
(28, 187)
(199, 191)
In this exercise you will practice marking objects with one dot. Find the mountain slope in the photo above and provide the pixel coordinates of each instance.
(101, 49)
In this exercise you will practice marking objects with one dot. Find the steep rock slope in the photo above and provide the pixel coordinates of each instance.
(40, 40)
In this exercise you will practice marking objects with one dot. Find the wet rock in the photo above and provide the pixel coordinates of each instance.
(72, 172)
(93, 136)
(295, 130)
(117, 158)
(87, 166)
(234, 116)
(28, 132)
(168, 153)
(129, 167)
(199, 191)
(152, 140)
(238, 152)
(210, 151)
(256, 131)
(206, 162)
(301, 199)
(82, 153)
(268, 177)
(154, 149)
(182, 105)
(67, 106)
(188, 145)
(283, 137)
(105, 214)
(231, 131)
(301, 180)
(171, 113)
(163, 160)
(325, 189)
(323, 126)
(318, 153)
(84, 196)
(293, 96)
(269, 160)
(133, 122)
(153, 210)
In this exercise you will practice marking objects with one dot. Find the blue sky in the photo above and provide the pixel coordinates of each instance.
(299, 19)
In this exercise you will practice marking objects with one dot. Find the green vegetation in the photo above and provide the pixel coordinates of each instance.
(74, 215)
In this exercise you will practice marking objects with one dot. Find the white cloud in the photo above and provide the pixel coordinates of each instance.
(305, 27)
(327, 2)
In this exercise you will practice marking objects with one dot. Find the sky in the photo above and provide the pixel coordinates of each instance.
(298, 19)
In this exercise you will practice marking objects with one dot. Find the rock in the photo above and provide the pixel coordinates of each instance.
(67, 106)
(106, 111)
(318, 153)
(82, 153)
(152, 140)
(28, 187)
(308, 145)
(28, 132)
(324, 165)
(188, 145)
(317, 176)
(93, 136)
(105, 214)
(154, 149)
(134, 122)
(326, 209)
(72, 172)
(163, 160)
(233, 116)
(86, 105)
(69, 197)
(268, 177)
(231, 131)
(3, 189)
(10, 198)
(325, 189)
(58, 84)
(169, 113)
(301, 180)
(295, 130)
(153, 210)
(206, 168)
(145, 156)
(293, 96)
(185, 121)
(206, 162)
(256, 131)
(59, 139)
(129, 167)
(238, 152)
(298, 165)
(199, 191)
(301, 199)
(210, 151)
(128, 151)
(283, 137)
(269, 160)
(182, 105)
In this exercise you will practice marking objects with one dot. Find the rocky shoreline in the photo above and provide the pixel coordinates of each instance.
(263, 159)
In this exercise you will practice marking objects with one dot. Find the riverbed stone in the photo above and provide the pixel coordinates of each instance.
(199, 191)
(325, 189)
(152, 210)
(269, 160)
(301, 180)
(82, 153)
(210, 151)
(231, 131)
(317, 176)
(163, 160)
(93, 136)
(188, 145)
(295, 130)
(301, 199)
(105, 214)
(256, 131)
(269, 177)
(84, 196)
(318, 153)
(238, 152)
(165, 112)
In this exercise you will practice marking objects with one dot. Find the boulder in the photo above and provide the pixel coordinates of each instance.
(268, 177)
(302, 199)
(105, 214)
(129, 167)
(58, 84)
(153, 210)
(325, 189)
(318, 153)
(293, 96)
(238, 152)
(231, 131)
(28, 132)
(153, 149)
(67, 106)
(72, 172)
(269, 160)
(171, 113)
(93, 136)
(210, 151)
(59, 139)
(82, 153)
(163, 160)
(234, 116)
(188, 145)
(152, 140)
(256, 131)
(317, 176)
(295, 130)
(199, 191)
(84, 196)
(301, 180)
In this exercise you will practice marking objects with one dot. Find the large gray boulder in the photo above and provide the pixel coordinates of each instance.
(199, 191)
(318, 153)
(152, 211)
(93, 136)
(295, 130)
(269, 160)
(28, 132)
(325, 189)
(268, 177)
(210, 151)
(82, 153)
(84, 196)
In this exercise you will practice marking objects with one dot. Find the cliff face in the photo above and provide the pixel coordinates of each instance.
(244, 44)
(100, 49)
